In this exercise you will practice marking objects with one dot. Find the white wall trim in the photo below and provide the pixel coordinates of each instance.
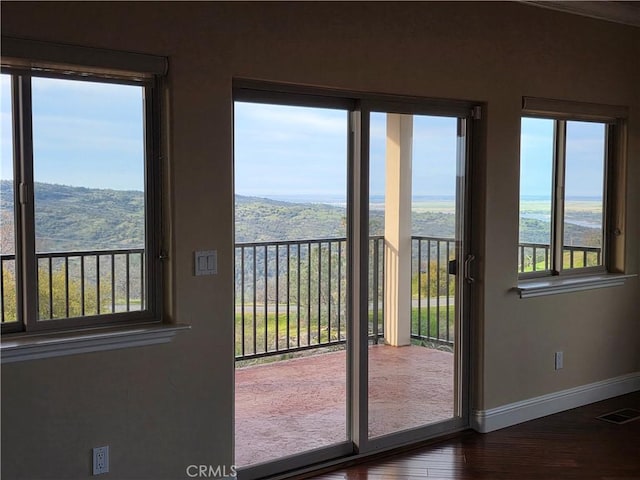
(39, 346)
(535, 287)
(492, 419)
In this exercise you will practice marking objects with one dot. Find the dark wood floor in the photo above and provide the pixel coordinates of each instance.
(569, 445)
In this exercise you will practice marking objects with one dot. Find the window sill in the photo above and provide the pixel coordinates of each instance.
(47, 345)
(555, 285)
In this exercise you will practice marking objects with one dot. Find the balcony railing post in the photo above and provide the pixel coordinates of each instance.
(242, 324)
(419, 241)
(375, 296)
(277, 298)
(339, 288)
(299, 311)
(288, 294)
(329, 298)
(266, 299)
(429, 288)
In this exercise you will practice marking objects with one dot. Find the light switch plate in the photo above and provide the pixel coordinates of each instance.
(206, 262)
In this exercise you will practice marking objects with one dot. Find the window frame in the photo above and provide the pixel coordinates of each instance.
(25, 60)
(614, 120)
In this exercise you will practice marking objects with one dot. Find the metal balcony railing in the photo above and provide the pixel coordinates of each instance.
(533, 257)
(292, 295)
(79, 283)
(433, 292)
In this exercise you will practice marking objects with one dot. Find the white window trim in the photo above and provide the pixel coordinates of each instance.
(39, 346)
(566, 284)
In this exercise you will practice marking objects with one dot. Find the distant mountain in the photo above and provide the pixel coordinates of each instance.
(264, 219)
(76, 218)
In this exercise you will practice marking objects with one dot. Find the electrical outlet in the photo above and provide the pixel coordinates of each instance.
(100, 460)
(559, 360)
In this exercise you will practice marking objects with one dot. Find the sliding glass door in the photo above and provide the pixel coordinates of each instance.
(352, 270)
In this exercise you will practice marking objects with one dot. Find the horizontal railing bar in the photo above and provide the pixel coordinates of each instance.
(270, 353)
(301, 348)
(79, 253)
(439, 341)
(575, 248)
(290, 242)
(89, 253)
(86, 253)
(433, 239)
(565, 247)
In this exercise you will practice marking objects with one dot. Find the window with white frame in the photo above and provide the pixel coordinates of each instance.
(80, 189)
(568, 153)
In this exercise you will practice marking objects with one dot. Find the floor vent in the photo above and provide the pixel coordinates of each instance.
(625, 415)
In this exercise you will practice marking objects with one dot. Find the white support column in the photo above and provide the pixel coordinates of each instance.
(397, 230)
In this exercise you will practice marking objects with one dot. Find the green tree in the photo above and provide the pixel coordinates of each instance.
(9, 295)
(434, 283)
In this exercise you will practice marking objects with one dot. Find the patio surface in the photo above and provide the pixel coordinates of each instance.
(292, 406)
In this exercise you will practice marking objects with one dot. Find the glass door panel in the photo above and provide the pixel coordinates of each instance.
(290, 280)
(415, 233)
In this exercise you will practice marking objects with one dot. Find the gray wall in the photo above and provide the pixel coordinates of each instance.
(162, 408)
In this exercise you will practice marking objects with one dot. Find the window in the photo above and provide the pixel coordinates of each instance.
(567, 188)
(80, 191)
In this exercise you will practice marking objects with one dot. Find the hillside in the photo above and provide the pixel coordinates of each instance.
(75, 218)
(263, 219)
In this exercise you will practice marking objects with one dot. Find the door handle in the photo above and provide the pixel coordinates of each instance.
(452, 267)
(467, 268)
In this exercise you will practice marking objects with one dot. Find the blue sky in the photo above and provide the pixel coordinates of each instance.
(90, 134)
(85, 133)
(283, 150)
(289, 151)
(584, 158)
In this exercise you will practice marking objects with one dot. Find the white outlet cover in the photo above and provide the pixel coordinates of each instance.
(101, 460)
(559, 360)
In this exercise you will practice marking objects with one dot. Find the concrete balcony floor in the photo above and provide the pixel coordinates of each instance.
(291, 406)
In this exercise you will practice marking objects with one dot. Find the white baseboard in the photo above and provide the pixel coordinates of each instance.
(506, 415)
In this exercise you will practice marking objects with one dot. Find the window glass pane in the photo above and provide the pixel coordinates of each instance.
(89, 197)
(584, 195)
(7, 212)
(536, 174)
